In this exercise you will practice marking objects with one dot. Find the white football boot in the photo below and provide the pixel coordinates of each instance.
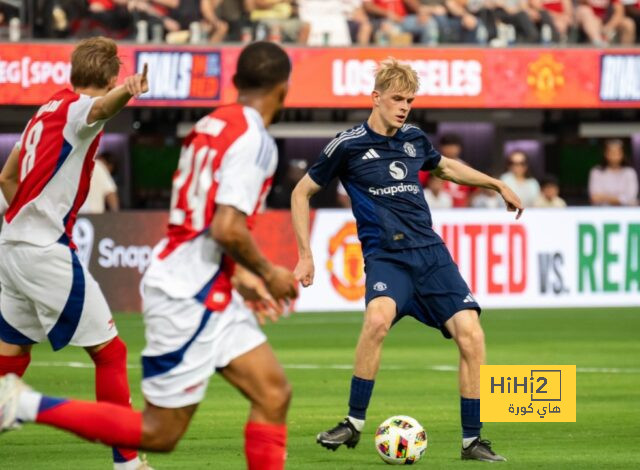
(10, 388)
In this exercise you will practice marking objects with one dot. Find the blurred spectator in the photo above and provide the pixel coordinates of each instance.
(204, 13)
(519, 179)
(280, 18)
(602, 21)
(335, 22)
(112, 14)
(436, 196)
(328, 21)
(451, 147)
(613, 182)
(103, 192)
(514, 13)
(458, 25)
(632, 10)
(549, 194)
(360, 27)
(7, 12)
(541, 17)
(155, 12)
(342, 198)
(561, 12)
(236, 14)
(486, 199)
(393, 17)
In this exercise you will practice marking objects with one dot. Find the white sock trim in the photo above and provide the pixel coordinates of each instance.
(28, 404)
(132, 464)
(466, 441)
(357, 423)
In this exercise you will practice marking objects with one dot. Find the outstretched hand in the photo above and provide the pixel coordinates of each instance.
(137, 84)
(257, 297)
(304, 271)
(512, 201)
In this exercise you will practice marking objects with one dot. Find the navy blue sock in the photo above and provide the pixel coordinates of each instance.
(361, 390)
(470, 417)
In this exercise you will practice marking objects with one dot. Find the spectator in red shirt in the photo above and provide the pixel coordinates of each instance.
(113, 14)
(604, 20)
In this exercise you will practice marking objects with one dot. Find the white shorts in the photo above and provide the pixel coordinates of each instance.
(186, 343)
(48, 294)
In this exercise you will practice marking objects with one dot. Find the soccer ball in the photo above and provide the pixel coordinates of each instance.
(401, 440)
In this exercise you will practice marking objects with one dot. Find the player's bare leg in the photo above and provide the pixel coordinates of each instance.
(162, 428)
(467, 332)
(260, 377)
(378, 319)
(155, 429)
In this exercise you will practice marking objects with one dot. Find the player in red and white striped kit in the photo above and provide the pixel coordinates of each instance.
(196, 323)
(46, 293)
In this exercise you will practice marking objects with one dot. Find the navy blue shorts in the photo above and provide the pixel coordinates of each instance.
(425, 283)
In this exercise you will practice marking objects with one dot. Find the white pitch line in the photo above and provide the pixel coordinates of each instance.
(437, 368)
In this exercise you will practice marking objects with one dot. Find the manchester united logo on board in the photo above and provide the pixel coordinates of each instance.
(346, 264)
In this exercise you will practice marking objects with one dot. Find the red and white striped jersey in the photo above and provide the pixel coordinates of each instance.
(56, 160)
(228, 158)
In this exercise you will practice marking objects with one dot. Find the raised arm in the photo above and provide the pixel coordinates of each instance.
(110, 104)
(453, 170)
(300, 197)
(9, 175)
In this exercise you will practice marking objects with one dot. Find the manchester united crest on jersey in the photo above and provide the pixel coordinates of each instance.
(409, 149)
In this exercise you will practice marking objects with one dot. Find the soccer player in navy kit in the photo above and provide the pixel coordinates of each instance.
(409, 271)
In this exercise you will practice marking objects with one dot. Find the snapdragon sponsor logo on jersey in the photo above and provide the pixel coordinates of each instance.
(619, 77)
(27, 72)
(393, 190)
(398, 170)
(182, 75)
(345, 264)
(438, 77)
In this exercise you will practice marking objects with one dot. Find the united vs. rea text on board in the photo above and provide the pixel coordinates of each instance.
(540, 393)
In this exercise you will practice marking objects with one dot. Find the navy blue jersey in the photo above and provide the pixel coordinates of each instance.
(380, 175)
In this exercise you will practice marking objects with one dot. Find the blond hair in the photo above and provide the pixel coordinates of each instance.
(392, 75)
(94, 62)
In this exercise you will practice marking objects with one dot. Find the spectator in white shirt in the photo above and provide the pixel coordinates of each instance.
(614, 182)
(103, 192)
(519, 179)
(436, 196)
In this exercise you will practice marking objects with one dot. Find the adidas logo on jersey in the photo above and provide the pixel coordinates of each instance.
(370, 155)
(469, 299)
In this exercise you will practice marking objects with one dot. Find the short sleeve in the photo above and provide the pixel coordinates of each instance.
(330, 163)
(431, 156)
(244, 169)
(78, 115)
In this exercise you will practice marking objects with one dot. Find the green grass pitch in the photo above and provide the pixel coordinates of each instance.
(317, 351)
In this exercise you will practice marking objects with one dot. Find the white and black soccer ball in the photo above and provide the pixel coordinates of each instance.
(401, 440)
